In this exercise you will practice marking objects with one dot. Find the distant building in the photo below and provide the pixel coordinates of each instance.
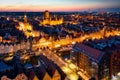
(25, 18)
(9, 47)
(0, 38)
(27, 26)
(48, 20)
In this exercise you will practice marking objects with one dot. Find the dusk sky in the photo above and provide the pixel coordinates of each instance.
(56, 5)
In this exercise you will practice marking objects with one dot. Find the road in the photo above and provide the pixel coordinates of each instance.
(62, 42)
(68, 68)
(72, 75)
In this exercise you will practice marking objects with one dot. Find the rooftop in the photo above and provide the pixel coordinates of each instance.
(28, 68)
(93, 53)
(95, 49)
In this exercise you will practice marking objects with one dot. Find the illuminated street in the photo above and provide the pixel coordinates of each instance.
(67, 67)
(59, 40)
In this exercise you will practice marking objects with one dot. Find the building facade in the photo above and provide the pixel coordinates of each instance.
(95, 63)
(48, 20)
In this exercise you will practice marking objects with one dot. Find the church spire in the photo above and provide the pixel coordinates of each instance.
(25, 17)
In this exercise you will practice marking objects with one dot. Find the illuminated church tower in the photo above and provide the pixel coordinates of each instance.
(49, 20)
(46, 15)
(25, 18)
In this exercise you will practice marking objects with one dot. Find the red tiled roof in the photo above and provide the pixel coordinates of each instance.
(51, 70)
(94, 53)
(32, 75)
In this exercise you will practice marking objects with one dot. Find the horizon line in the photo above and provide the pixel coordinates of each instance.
(79, 10)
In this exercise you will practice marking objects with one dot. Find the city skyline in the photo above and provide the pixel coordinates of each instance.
(59, 40)
(56, 5)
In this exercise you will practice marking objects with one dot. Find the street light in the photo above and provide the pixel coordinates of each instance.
(73, 42)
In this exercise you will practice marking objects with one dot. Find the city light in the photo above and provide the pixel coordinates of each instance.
(59, 40)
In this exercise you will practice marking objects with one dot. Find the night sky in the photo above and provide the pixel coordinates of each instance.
(56, 5)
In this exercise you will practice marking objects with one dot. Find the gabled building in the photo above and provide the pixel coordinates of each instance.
(40, 68)
(48, 20)
(56, 75)
(43, 74)
(53, 72)
(33, 76)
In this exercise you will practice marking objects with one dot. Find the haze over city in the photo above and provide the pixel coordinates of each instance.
(56, 5)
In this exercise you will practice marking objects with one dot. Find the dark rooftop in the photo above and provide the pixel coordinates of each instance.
(93, 53)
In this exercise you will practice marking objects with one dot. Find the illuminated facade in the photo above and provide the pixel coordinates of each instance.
(0, 38)
(102, 63)
(25, 18)
(48, 20)
(26, 27)
(115, 60)
(87, 60)
(13, 47)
